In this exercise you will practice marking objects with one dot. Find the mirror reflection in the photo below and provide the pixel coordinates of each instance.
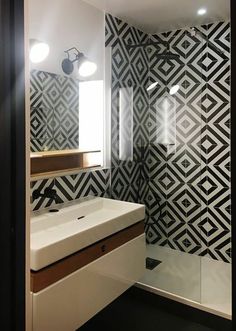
(66, 56)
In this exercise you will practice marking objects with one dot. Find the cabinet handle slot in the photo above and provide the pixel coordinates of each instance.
(103, 248)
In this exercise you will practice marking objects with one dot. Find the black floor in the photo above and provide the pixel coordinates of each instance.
(138, 310)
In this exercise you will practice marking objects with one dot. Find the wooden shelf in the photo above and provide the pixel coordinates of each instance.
(48, 162)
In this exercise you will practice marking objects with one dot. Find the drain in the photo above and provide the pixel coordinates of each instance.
(79, 218)
(152, 263)
(53, 210)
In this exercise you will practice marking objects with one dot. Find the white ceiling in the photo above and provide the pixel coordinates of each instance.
(162, 15)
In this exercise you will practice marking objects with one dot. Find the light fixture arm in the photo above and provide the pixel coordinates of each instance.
(77, 54)
(74, 55)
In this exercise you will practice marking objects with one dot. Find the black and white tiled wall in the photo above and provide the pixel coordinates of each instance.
(190, 181)
(195, 180)
(185, 187)
(71, 187)
(54, 106)
(54, 126)
(129, 70)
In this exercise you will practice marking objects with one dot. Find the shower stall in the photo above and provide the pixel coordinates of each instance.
(170, 150)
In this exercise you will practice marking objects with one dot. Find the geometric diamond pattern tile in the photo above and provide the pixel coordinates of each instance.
(219, 246)
(65, 188)
(185, 186)
(202, 153)
(219, 34)
(81, 184)
(191, 180)
(186, 165)
(39, 119)
(41, 185)
(73, 187)
(186, 202)
(188, 126)
(54, 111)
(99, 181)
(154, 235)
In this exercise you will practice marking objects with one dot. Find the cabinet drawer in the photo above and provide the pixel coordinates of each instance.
(51, 274)
(73, 300)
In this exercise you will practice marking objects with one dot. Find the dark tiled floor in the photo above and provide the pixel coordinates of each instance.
(137, 310)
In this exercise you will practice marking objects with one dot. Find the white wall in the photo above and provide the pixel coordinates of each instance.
(64, 24)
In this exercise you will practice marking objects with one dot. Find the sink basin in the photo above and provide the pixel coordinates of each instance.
(55, 235)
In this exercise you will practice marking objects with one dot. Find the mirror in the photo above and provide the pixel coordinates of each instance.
(66, 77)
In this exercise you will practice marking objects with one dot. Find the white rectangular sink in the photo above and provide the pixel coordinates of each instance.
(78, 225)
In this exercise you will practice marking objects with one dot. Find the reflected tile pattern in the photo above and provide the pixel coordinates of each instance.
(54, 111)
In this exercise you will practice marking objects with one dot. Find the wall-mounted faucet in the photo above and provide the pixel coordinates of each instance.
(48, 193)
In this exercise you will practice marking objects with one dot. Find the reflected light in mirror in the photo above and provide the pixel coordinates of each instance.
(174, 89)
(87, 68)
(91, 115)
(38, 51)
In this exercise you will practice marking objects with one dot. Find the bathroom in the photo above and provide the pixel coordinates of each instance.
(119, 152)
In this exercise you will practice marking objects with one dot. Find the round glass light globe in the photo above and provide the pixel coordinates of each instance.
(38, 52)
(87, 68)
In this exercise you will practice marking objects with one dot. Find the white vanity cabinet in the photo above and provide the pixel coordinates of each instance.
(66, 304)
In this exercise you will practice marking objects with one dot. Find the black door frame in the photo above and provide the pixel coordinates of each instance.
(12, 165)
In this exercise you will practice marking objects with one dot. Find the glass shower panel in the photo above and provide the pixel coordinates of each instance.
(166, 120)
(170, 151)
(215, 182)
(126, 124)
(173, 231)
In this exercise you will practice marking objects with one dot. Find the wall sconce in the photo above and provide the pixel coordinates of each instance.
(85, 67)
(38, 51)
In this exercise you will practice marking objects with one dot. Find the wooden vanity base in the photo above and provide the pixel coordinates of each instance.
(58, 270)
